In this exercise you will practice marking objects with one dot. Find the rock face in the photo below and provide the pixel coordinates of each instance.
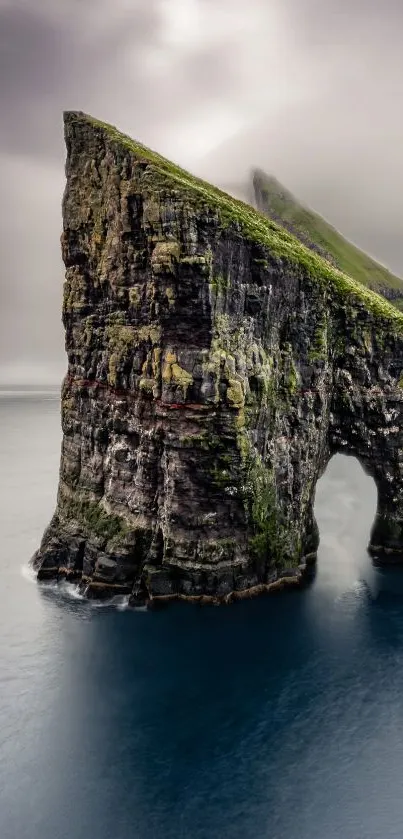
(215, 365)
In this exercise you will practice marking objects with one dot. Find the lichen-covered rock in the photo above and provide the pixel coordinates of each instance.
(214, 366)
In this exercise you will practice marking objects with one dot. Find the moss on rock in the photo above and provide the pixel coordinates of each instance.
(165, 257)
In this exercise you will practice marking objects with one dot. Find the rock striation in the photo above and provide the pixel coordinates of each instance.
(215, 365)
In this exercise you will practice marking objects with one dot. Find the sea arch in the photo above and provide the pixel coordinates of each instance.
(214, 366)
(345, 508)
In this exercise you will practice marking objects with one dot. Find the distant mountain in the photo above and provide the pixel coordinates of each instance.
(276, 202)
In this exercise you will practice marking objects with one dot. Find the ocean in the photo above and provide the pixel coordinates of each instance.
(279, 717)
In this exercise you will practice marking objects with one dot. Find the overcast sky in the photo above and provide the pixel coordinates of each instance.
(310, 90)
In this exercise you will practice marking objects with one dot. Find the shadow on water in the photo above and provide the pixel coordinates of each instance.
(182, 711)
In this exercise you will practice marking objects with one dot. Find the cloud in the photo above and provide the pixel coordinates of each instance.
(31, 266)
(336, 141)
(308, 90)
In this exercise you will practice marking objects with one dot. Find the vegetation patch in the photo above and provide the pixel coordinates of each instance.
(318, 350)
(165, 257)
(220, 284)
(134, 296)
(74, 292)
(268, 534)
(92, 516)
(173, 374)
(147, 386)
(121, 340)
(235, 395)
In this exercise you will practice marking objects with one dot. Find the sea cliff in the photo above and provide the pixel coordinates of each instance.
(215, 365)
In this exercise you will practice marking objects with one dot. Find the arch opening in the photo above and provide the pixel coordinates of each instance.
(345, 509)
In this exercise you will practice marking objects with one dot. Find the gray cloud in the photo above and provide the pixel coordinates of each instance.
(338, 148)
(47, 61)
(310, 91)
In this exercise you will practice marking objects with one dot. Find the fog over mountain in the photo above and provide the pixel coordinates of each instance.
(308, 91)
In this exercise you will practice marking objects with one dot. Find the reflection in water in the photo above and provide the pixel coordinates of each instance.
(280, 717)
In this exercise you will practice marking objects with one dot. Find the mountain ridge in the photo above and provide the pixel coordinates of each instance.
(280, 205)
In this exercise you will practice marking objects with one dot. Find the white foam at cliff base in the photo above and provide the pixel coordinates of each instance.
(71, 590)
(28, 572)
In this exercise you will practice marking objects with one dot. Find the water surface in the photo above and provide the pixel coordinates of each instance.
(281, 717)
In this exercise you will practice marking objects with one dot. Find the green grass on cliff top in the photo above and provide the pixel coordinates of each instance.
(252, 224)
(282, 206)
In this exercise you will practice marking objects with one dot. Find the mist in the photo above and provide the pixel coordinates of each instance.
(307, 91)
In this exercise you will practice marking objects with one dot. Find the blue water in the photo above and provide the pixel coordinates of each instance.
(281, 717)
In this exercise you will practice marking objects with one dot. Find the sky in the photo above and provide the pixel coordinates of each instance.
(308, 90)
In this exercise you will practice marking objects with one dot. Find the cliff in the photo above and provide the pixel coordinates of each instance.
(272, 199)
(215, 364)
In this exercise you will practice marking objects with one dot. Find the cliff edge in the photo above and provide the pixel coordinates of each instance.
(275, 201)
(215, 364)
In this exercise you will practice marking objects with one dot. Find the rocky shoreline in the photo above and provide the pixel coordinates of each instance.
(293, 578)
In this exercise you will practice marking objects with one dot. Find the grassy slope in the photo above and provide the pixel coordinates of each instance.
(283, 207)
(252, 224)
